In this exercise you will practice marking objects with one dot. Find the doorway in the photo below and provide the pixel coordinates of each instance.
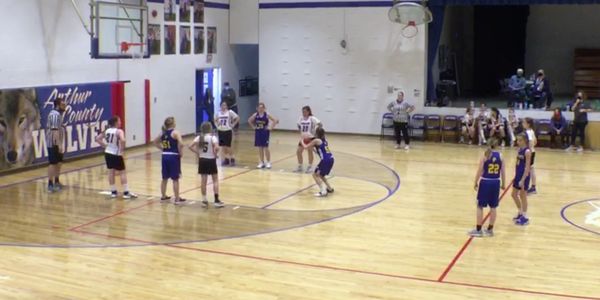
(208, 85)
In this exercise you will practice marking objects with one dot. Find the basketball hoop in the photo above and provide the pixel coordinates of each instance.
(410, 30)
(409, 14)
(126, 46)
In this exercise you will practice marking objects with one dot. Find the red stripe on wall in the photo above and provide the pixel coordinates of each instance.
(118, 101)
(147, 109)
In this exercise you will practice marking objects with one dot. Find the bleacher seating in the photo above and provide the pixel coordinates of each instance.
(586, 76)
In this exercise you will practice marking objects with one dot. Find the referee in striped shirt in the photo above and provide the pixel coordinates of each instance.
(55, 143)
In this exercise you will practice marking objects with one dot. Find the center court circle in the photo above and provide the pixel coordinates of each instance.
(147, 223)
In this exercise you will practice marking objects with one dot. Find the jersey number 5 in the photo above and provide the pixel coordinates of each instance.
(205, 147)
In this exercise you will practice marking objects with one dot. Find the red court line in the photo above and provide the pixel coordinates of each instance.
(124, 211)
(468, 242)
(121, 212)
(341, 269)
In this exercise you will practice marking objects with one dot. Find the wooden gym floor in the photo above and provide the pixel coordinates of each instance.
(395, 228)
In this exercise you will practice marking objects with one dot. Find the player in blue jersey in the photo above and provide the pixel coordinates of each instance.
(263, 123)
(321, 146)
(489, 180)
(171, 145)
(521, 181)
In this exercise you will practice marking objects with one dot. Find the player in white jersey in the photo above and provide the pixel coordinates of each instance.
(226, 120)
(206, 147)
(113, 142)
(528, 124)
(307, 125)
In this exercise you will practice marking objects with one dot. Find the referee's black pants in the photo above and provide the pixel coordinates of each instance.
(401, 129)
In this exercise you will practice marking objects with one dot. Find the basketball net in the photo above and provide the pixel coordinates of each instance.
(410, 30)
(126, 47)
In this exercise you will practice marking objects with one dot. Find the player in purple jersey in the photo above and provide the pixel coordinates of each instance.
(171, 145)
(521, 181)
(263, 123)
(325, 165)
(489, 180)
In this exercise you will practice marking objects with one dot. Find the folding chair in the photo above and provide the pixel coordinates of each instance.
(387, 122)
(450, 127)
(417, 126)
(433, 126)
(543, 130)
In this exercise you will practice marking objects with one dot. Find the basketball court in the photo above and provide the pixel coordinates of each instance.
(394, 228)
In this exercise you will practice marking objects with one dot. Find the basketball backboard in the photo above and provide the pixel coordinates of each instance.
(119, 29)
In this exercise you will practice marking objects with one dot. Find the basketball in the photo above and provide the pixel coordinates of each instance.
(306, 140)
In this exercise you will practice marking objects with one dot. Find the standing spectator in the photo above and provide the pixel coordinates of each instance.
(209, 105)
(580, 109)
(558, 126)
(401, 110)
(468, 127)
(55, 140)
(542, 97)
(516, 85)
(228, 96)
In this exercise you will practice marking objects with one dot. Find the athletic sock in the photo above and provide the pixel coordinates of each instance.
(113, 188)
(490, 227)
(126, 187)
(50, 183)
(204, 198)
(57, 181)
(217, 198)
(478, 227)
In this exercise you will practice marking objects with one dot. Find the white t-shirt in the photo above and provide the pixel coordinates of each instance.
(224, 120)
(308, 125)
(205, 146)
(468, 119)
(111, 135)
(532, 139)
(512, 120)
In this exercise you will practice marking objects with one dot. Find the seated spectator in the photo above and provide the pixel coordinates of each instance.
(558, 127)
(496, 125)
(513, 126)
(468, 127)
(540, 91)
(516, 85)
(481, 124)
